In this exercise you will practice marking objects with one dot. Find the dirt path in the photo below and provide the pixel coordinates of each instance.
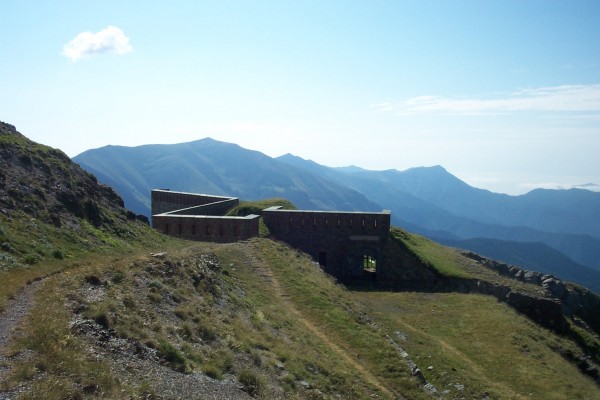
(16, 309)
(266, 274)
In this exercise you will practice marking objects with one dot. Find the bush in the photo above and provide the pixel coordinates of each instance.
(253, 384)
(212, 371)
(58, 254)
(172, 355)
(207, 333)
(31, 259)
(7, 261)
(118, 277)
(7, 247)
(103, 320)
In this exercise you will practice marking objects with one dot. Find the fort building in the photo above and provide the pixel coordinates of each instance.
(200, 217)
(348, 245)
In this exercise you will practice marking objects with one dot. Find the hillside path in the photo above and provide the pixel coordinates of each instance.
(16, 309)
(266, 274)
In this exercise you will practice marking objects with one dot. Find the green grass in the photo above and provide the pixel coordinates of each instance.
(32, 249)
(347, 325)
(484, 345)
(256, 207)
(267, 316)
(446, 261)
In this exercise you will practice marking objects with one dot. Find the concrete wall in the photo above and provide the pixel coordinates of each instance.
(200, 217)
(339, 241)
(164, 201)
(207, 228)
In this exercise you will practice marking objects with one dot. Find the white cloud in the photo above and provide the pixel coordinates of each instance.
(85, 44)
(565, 98)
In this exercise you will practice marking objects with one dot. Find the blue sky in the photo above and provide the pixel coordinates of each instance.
(504, 94)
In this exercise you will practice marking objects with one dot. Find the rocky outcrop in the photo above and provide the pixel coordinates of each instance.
(574, 301)
(45, 184)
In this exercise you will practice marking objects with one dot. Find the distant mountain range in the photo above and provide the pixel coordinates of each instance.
(552, 231)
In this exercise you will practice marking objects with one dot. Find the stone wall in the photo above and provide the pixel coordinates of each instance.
(200, 217)
(339, 241)
(167, 201)
(207, 228)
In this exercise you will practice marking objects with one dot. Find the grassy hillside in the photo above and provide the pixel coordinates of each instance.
(53, 213)
(120, 311)
(262, 319)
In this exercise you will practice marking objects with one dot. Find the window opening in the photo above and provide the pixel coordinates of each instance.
(369, 263)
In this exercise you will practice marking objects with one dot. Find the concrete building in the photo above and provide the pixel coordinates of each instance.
(348, 245)
(200, 217)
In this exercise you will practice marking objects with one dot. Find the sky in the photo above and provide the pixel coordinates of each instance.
(505, 94)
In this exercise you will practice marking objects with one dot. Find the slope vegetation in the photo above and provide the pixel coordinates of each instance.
(260, 319)
(119, 311)
(52, 212)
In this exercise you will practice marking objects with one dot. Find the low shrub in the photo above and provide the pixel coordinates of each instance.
(32, 259)
(213, 371)
(253, 384)
(58, 254)
(172, 355)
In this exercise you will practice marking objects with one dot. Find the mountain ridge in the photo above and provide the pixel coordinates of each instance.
(426, 200)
